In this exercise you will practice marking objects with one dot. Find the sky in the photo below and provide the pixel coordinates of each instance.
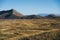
(28, 7)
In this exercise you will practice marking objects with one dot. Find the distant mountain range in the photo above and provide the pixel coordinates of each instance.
(43, 14)
(13, 14)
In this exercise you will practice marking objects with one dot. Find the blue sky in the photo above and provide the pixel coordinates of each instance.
(28, 7)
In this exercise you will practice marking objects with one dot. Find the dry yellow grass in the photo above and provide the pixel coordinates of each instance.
(18, 29)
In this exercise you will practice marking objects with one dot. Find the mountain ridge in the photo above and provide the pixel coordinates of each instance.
(13, 14)
(10, 14)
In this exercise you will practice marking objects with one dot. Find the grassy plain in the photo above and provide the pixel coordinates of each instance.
(29, 29)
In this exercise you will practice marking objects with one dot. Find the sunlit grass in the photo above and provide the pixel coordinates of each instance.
(20, 29)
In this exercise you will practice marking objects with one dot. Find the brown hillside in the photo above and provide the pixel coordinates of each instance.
(10, 14)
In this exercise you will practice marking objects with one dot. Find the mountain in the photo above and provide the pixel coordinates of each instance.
(32, 17)
(53, 16)
(10, 14)
(43, 14)
(13, 14)
(50, 16)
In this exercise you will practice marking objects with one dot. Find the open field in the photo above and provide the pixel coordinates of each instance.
(29, 29)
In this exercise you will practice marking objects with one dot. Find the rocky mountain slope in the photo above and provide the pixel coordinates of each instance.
(10, 14)
(13, 14)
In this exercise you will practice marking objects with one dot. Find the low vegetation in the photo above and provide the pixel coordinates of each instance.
(29, 29)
